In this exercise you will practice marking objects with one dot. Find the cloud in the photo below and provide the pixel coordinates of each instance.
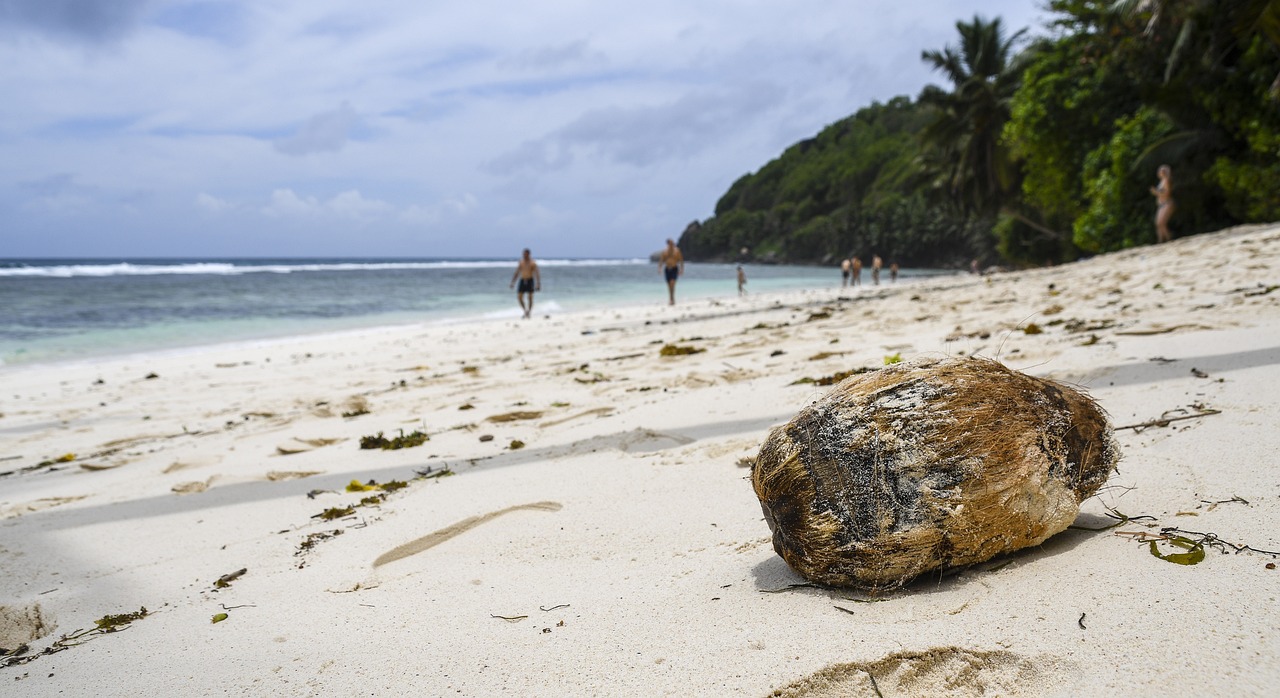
(324, 132)
(645, 135)
(454, 207)
(212, 203)
(285, 203)
(57, 193)
(89, 20)
(545, 58)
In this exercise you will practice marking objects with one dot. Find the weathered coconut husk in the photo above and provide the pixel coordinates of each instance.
(928, 466)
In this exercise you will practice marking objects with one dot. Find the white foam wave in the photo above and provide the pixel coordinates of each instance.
(231, 269)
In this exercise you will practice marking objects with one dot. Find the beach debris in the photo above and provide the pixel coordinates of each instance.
(357, 486)
(311, 540)
(514, 416)
(374, 486)
(509, 619)
(1164, 419)
(378, 441)
(1198, 373)
(432, 472)
(891, 359)
(225, 580)
(516, 445)
(281, 475)
(1194, 554)
(1080, 621)
(930, 465)
(333, 513)
(484, 438)
(315, 493)
(1032, 328)
(678, 350)
(826, 355)
(218, 618)
(746, 461)
(111, 623)
(151, 376)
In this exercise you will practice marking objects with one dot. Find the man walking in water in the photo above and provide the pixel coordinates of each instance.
(671, 262)
(530, 281)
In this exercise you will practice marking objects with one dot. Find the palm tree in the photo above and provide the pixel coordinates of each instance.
(966, 154)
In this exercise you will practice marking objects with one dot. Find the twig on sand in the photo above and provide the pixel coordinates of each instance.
(789, 587)
(874, 686)
(1080, 622)
(509, 619)
(1163, 420)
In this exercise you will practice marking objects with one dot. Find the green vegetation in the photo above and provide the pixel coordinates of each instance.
(1037, 151)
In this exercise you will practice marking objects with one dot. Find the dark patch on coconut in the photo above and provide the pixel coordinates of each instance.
(928, 466)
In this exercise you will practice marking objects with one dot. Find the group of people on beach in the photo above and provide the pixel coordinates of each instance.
(670, 262)
(851, 271)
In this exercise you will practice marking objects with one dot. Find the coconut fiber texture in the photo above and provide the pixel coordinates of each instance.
(928, 466)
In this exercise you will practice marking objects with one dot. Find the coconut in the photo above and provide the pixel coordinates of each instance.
(928, 466)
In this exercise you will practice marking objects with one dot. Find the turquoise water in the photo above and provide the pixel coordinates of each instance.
(57, 310)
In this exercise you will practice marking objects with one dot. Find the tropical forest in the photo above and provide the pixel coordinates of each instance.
(1036, 147)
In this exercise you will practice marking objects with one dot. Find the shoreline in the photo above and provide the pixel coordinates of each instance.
(619, 550)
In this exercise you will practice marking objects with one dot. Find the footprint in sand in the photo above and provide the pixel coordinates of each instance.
(431, 540)
(20, 625)
(951, 671)
(37, 505)
(296, 445)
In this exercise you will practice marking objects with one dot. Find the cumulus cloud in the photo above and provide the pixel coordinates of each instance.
(285, 203)
(645, 135)
(324, 132)
(89, 20)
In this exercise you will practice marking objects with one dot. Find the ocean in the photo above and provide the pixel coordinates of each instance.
(61, 309)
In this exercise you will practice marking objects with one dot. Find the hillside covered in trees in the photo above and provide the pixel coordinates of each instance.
(1036, 151)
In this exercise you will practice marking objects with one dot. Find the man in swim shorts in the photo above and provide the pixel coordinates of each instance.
(530, 281)
(671, 262)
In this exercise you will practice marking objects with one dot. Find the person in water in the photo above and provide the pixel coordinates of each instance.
(742, 281)
(1163, 191)
(671, 262)
(530, 280)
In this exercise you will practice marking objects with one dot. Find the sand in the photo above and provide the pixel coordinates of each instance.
(620, 550)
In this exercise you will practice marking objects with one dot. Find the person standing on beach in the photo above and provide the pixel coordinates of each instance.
(876, 263)
(671, 262)
(1164, 203)
(742, 281)
(856, 265)
(845, 266)
(530, 280)
(893, 271)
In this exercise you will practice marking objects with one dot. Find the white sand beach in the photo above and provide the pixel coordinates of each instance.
(621, 550)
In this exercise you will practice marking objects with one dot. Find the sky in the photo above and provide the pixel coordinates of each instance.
(416, 128)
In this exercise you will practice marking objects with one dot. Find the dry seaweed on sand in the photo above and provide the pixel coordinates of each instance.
(311, 540)
(110, 623)
(679, 350)
(334, 513)
(378, 441)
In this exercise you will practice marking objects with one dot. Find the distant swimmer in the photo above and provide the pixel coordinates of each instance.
(845, 267)
(671, 262)
(856, 265)
(875, 269)
(742, 281)
(530, 280)
(893, 271)
(1164, 203)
